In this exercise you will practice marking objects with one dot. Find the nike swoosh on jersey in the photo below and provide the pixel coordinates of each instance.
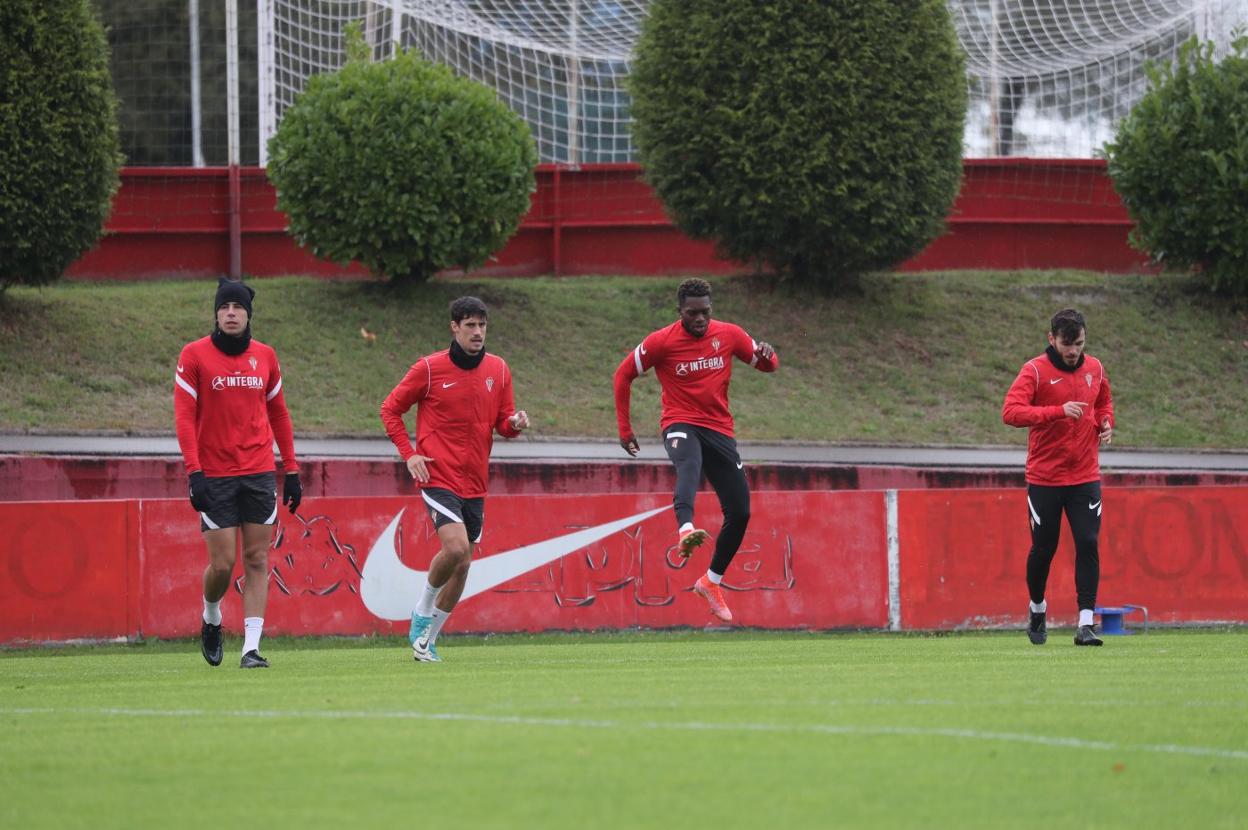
(179, 367)
(389, 588)
(449, 385)
(1057, 380)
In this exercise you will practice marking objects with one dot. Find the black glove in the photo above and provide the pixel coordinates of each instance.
(292, 491)
(199, 492)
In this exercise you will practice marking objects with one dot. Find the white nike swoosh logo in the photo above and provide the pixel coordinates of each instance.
(1059, 380)
(179, 367)
(740, 464)
(389, 588)
(1094, 506)
(449, 385)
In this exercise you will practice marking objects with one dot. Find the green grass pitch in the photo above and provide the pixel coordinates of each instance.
(666, 729)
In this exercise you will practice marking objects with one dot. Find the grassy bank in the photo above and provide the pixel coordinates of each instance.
(910, 358)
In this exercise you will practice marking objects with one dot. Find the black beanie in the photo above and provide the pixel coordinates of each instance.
(229, 291)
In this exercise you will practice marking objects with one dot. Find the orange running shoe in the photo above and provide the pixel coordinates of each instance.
(691, 539)
(714, 597)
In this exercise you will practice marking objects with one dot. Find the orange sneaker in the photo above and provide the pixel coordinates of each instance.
(714, 597)
(691, 539)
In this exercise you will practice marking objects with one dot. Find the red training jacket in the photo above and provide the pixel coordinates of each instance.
(228, 409)
(694, 373)
(1060, 451)
(459, 410)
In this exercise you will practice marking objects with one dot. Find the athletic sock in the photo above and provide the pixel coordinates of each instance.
(1040, 607)
(212, 612)
(714, 577)
(1085, 616)
(252, 626)
(439, 619)
(685, 528)
(424, 605)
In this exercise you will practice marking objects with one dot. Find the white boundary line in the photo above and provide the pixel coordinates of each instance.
(894, 560)
(657, 726)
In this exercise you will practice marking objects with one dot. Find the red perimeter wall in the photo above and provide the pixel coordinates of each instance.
(811, 559)
(603, 219)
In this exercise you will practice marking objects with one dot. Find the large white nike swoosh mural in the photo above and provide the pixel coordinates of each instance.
(390, 589)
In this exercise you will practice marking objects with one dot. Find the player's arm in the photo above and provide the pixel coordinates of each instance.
(509, 422)
(284, 434)
(631, 367)
(1104, 410)
(186, 425)
(1019, 409)
(761, 355)
(413, 388)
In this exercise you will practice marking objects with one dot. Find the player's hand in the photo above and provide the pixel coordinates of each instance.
(199, 491)
(418, 466)
(1074, 409)
(1107, 432)
(520, 421)
(292, 491)
(764, 350)
(630, 445)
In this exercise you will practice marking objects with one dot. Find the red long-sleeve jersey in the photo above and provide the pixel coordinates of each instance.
(458, 412)
(229, 409)
(1060, 451)
(693, 372)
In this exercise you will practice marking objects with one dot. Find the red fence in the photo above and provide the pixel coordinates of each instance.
(810, 560)
(603, 219)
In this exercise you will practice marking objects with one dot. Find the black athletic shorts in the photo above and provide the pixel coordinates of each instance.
(238, 499)
(445, 507)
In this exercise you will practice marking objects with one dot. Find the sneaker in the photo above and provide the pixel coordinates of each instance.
(714, 597)
(1086, 636)
(1037, 630)
(253, 660)
(691, 539)
(210, 643)
(420, 625)
(424, 651)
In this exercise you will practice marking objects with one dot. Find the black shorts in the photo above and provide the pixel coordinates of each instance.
(445, 507)
(238, 499)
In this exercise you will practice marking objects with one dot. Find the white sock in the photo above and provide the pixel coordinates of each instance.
(212, 612)
(439, 619)
(424, 605)
(714, 577)
(1040, 608)
(685, 528)
(252, 626)
(1085, 616)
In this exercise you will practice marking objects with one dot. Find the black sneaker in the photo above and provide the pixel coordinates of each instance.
(210, 643)
(253, 660)
(1037, 631)
(1086, 636)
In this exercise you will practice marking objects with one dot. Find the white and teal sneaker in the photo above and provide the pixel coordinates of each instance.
(424, 651)
(418, 629)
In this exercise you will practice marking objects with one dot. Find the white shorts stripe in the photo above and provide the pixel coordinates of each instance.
(440, 508)
(190, 390)
(276, 389)
(272, 516)
(211, 525)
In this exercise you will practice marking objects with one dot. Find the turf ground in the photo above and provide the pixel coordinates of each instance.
(673, 729)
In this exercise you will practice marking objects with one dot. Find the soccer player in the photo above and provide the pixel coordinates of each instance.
(1063, 396)
(228, 410)
(693, 361)
(463, 395)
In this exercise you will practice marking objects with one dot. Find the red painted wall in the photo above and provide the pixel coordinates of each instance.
(816, 560)
(603, 219)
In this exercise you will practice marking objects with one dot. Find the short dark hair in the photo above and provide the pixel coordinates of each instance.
(1067, 324)
(692, 287)
(468, 307)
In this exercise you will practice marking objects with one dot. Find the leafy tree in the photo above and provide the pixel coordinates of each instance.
(822, 138)
(402, 166)
(1180, 162)
(59, 154)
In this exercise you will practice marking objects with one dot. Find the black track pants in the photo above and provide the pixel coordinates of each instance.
(696, 451)
(1082, 503)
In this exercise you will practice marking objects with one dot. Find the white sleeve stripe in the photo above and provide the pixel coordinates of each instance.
(641, 370)
(190, 390)
(754, 360)
(276, 389)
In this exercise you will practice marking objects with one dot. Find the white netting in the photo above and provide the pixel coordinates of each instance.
(1046, 77)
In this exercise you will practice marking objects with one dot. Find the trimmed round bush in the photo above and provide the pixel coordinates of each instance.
(823, 138)
(401, 166)
(1180, 162)
(59, 153)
